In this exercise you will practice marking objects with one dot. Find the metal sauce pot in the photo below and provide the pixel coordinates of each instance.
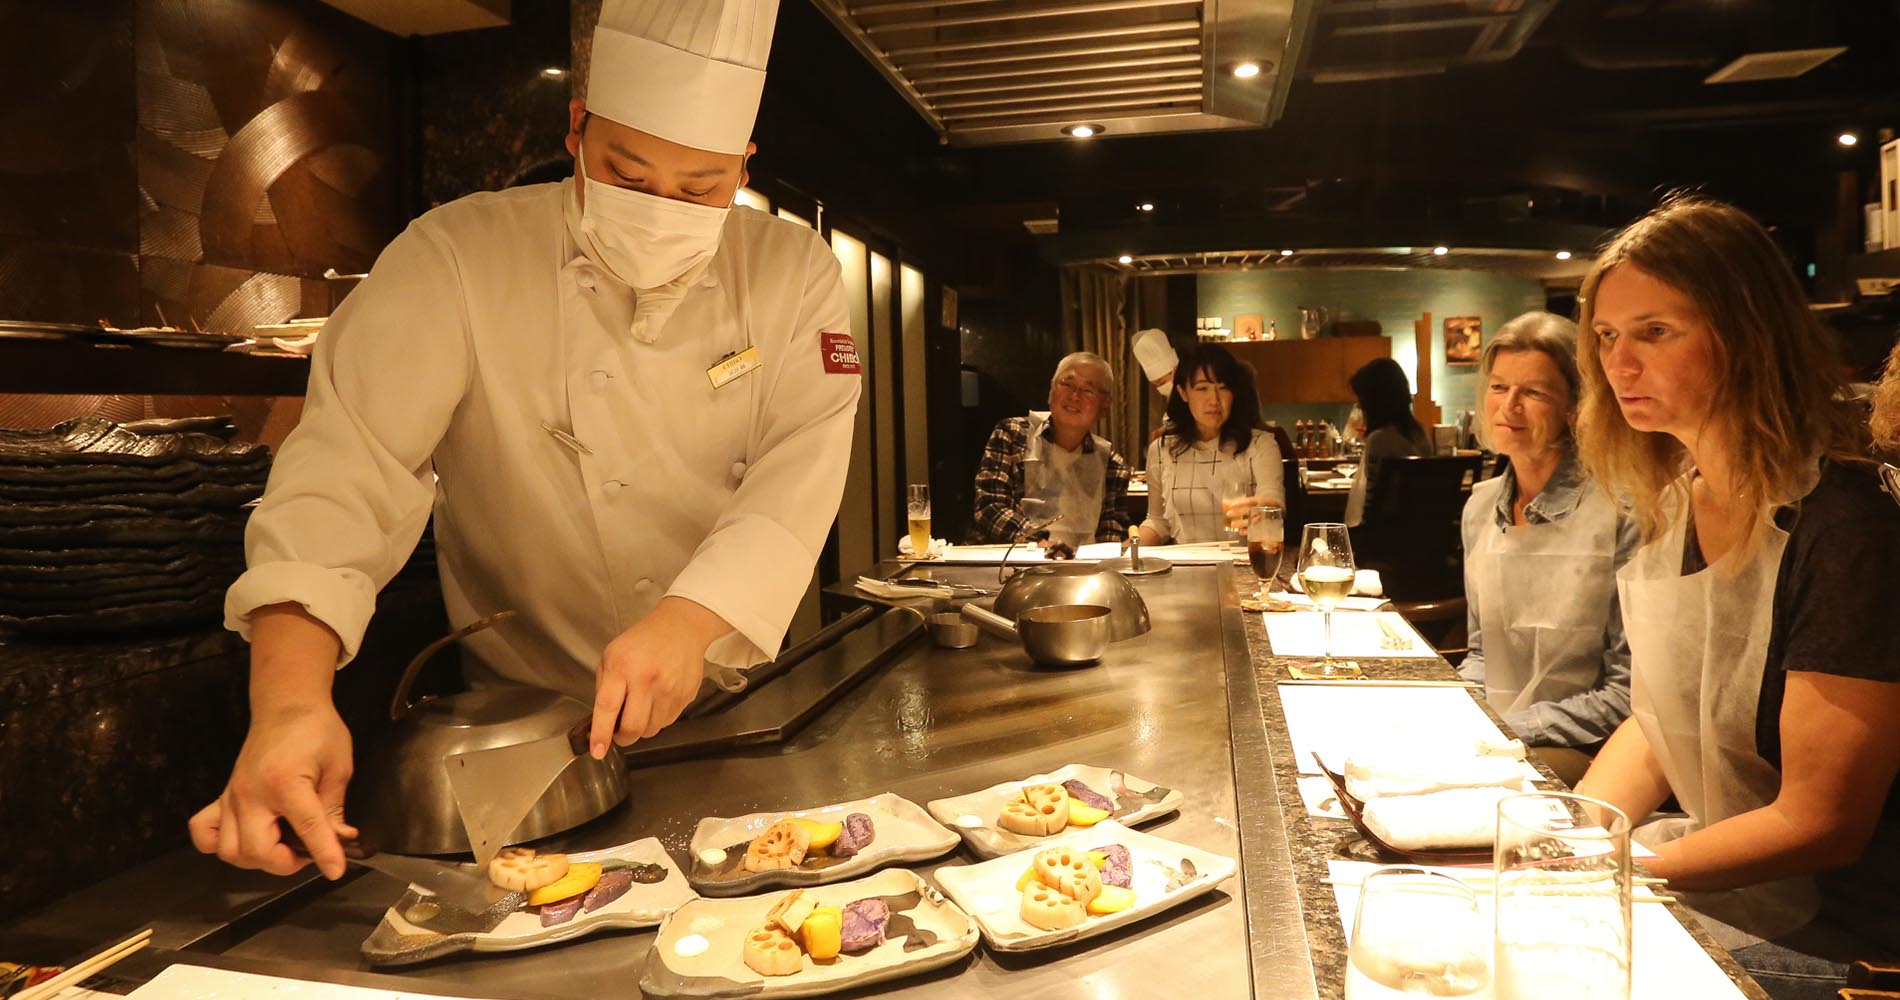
(1077, 583)
(400, 797)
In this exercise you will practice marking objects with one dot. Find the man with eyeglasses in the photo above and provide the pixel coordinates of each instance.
(1048, 465)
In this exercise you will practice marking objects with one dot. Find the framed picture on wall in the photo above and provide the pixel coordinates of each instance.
(1464, 340)
(1247, 328)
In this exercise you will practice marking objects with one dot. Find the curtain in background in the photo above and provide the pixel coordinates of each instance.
(1093, 320)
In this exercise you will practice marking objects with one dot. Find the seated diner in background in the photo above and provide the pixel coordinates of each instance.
(1886, 423)
(1765, 685)
(1391, 431)
(1542, 546)
(1215, 458)
(1049, 464)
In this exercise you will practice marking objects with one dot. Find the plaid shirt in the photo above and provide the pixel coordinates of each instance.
(999, 486)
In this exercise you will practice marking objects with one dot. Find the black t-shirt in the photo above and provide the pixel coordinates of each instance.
(1837, 593)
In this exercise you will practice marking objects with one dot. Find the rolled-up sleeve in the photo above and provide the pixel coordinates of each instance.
(753, 568)
(353, 485)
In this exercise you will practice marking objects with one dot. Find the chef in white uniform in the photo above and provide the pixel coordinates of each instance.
(1542, 547)
(627, 404)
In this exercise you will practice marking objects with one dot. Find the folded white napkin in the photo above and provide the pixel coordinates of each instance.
(1098, 550)
(892, 592)
(1365, 583)
(936, 547)
(1408, 767)
(1455, 817)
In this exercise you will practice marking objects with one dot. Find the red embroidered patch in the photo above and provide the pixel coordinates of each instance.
(840, 353)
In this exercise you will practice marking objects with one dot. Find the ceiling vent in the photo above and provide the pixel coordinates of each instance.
(1784, 65)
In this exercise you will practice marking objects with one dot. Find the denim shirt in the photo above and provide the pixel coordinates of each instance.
(1587, 718)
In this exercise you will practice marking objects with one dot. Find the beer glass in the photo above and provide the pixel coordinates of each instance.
(917, 507)
(1417, 933)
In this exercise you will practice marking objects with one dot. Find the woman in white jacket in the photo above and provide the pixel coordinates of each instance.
(1214, 458)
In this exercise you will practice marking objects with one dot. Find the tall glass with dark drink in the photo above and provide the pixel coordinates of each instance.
(1266, 538)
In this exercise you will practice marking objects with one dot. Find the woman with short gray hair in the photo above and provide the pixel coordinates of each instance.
(1542, 547)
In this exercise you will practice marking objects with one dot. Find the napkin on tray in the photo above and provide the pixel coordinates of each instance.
(1414, 767)
(1455, 817)
(892, 592)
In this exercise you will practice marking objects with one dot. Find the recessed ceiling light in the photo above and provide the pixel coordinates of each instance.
(1082, 131)
(1125, 259)
(554, 73)
(1847, 139)
(1146, 206)
(1286, 253)
(1563, 255)
(1440, 251)
(1247, 70)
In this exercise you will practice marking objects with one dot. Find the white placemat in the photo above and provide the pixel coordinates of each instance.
(1666, 963)
(1355, 633)
(194, 982)
(1324, 718)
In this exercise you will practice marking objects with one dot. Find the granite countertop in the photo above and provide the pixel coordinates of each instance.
(1312, 841)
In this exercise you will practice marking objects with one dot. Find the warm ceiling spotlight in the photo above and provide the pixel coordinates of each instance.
(1146, 206)
(1082, 131)
(554, 73)
(1247, 70)
(1286, 253)
(1125, 259)
(1847, 139)
(1440, 251)
(1563, 255)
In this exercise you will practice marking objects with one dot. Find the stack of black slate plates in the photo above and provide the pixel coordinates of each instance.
(108, 527)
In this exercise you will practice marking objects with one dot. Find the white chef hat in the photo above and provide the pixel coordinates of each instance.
(1153, 351)
(689, 71)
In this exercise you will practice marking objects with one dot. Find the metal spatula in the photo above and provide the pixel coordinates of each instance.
(495, 789)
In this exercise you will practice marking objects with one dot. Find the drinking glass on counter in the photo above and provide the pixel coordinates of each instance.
(1326, 570)
(1417, 933)
(917, 507)
(1562, 887)
(1266, 539)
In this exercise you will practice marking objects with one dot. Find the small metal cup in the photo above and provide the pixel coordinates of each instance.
(951, 631)
(1064, 635)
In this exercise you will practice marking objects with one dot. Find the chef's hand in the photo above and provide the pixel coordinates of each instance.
(651, 672)
(295, 761)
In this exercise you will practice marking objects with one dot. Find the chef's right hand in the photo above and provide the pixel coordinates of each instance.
(295, 763)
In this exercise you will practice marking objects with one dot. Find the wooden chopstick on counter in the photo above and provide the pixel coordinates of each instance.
(1375, 682)
(88, 968)
(1484, 884)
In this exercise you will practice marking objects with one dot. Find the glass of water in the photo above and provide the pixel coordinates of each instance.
(1417, 933)
(1562, 883)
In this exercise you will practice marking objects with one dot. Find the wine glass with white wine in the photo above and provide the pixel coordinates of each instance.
(1326, 571)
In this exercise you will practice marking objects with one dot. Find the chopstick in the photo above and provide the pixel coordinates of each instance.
(88, 968)
(1484, 884)
(1376, 682)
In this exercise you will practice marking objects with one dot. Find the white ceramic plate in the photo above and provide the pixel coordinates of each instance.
(698, 950)
(901, 831)
(1166, 875)
(973, 816)
(406, 934)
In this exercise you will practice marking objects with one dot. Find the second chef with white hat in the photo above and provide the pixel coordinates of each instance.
(628, 406)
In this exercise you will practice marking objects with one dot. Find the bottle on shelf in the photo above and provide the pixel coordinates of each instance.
(1273, 330)
(1325, 435)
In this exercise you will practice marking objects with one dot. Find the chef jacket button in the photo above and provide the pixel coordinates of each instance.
(612, 487)
(643, 586)
(598, 380)
(585, 279)
(738, 470)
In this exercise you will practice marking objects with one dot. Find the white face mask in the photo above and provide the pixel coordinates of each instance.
(643, 239)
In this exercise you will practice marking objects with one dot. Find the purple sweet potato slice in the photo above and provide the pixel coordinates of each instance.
(1089, 796)
(856, 837)
(612, 885)
(553, 914)
(864, 921)
(1120, 870)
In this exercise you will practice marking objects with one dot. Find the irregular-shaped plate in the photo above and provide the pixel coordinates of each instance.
(1166, 874)
(411, 933)
(901, 831)
(698, 950)
(974, 815)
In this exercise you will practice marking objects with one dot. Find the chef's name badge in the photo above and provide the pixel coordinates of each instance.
(733, 366)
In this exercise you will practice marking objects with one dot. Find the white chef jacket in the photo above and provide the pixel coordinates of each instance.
(484, 371)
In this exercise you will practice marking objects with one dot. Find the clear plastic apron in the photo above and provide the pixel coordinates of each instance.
(1200, 479)
(1543, 593)
(1698, 648)
(1070, 485)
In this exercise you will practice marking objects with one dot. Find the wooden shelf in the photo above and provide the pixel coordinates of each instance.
(71, 366)
(1308, 371)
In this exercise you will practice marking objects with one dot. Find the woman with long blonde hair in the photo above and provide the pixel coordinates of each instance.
(1760, 614)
